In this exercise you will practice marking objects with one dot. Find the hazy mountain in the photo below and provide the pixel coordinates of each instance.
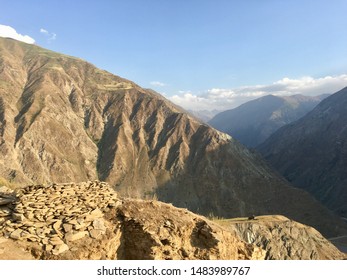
(312, 152)
(253, 122)
(204, 115)
(62, 120)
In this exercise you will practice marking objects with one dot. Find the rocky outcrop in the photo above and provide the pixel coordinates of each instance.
(54, 217)
(88, 221)
(312, 152)
(64, 120)
(283, 239)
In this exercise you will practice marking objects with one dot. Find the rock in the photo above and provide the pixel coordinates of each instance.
(99, 224)
(45, 241)
(5, 190)
(56, 227)
(59, 249)
(5, 201)
(56, 241)
(48, 247)
(16, 234)
(67, 227)
(81, 226)
(18, 217)
(96, 213)
(4, 212)
(95, 233)
(75, 236)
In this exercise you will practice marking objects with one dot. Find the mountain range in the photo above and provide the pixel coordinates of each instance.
(64, 120)
(312, 152)
(253, 122)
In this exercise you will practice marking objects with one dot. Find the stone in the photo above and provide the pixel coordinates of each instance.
(95, 233)
(16, 234)
(29, 215)
(99, 224)
(48, 247)
(18, 217)
(45, 241)
(59, 249)
(33, 238)
(67, 227)
(56, 241)
(81, 226)
(39, 225)
(5, 201)
(96, 213)
(56, 227)
(75, 236)
(4, 212)
(5, 190)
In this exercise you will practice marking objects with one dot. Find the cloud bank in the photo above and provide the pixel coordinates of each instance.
(9, 32)
(223, 99)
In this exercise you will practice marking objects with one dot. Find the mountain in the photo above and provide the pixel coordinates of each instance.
(64, 120)
(253, 122)
(204, 115)
(312, 152)
(283, 239)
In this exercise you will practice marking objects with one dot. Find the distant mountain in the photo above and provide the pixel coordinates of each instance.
(253, 122)
(64, 120)
(312, 152)
(204, 115)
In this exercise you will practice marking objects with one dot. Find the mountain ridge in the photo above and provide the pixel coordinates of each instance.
(253, 122)
(311, 152)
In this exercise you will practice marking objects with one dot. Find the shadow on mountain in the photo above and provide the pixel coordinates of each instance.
(220, 188)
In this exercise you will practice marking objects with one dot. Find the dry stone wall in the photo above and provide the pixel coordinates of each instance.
(57, 215)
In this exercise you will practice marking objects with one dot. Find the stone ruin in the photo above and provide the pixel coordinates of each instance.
(56, 215)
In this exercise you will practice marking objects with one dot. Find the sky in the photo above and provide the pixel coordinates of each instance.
(200, 54)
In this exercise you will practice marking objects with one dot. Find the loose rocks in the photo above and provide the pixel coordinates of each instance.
(56, 215)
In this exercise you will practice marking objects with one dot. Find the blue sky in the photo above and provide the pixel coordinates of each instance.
(200, 54)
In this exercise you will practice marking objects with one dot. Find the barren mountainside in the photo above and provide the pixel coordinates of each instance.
(283, 239)
(63, 120)
(312, 152)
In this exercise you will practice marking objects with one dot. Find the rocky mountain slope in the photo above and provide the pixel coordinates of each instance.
(62, 120)
(89, 221)
(283, 239)
(253, 122)
(312, 152)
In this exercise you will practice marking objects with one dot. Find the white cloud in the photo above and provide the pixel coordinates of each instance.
(223, 99)
(50, 35)
(42, 30)
(157, 84)
(9, 32)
